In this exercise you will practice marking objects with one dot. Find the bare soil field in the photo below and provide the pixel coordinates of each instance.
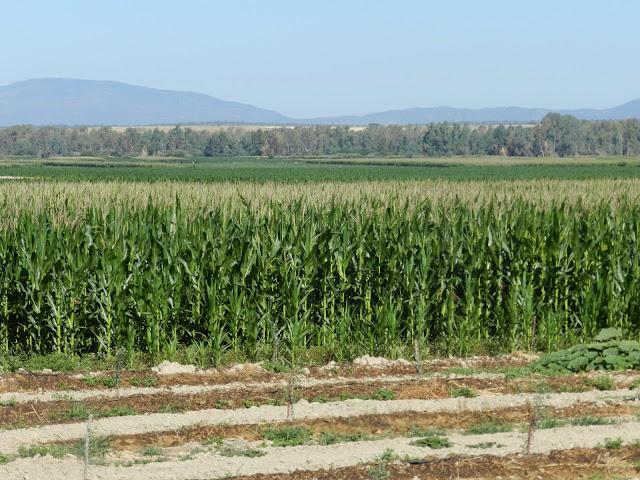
(483, 417)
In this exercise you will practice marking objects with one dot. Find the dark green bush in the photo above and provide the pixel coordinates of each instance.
(608, 351)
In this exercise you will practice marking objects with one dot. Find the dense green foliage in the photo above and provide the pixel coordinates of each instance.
(343, 278)
(556, 135)
(607, 352)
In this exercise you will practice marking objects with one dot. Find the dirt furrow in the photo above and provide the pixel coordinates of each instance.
(427, 386)
(574, 464)
(26, 381)
(384, 425)
(15, 415)
(11, 440)
(292, 382)
(313, 457)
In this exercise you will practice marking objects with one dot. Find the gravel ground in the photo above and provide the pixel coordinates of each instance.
(313, 457)
(208, 464)
(11, 440)
(77, 395)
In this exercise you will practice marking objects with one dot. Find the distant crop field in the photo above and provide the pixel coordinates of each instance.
(69, 199)
(321, 169)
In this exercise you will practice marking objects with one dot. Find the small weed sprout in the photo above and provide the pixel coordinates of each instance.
(287, 436)
(492, 426)
(463, 392)
(612, 443)
(380, 470)
(602, 383)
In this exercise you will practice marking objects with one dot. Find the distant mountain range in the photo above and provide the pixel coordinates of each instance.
(58, 101)
(480, 115)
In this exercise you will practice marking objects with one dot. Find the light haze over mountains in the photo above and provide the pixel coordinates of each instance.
(59, 101)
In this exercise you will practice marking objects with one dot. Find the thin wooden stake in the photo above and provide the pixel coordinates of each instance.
(532, 428)
(120, 360)
(87, 444)
(292, 382)
(37, 414)
(275, 346)
(534, 326)
(417, 357)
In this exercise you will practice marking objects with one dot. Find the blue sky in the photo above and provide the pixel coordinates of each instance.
(331, 57)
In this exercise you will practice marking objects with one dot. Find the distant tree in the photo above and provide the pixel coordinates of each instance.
(155, 144)
(220, 144)
(270, 146)
(499, 141)
(562, 132)
(555, 135)
(631, 137)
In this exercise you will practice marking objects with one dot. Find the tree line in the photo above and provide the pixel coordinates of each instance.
(555, 135)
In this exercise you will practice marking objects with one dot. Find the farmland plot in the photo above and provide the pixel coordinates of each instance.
(99, 281)
(372, 419)
(336, 280)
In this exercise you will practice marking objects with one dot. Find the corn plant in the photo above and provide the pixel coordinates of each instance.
(347, 276)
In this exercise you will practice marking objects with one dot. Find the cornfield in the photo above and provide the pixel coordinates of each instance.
(348, 277)
(65, 199)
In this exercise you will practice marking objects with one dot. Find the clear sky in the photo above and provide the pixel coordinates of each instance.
(328, 57)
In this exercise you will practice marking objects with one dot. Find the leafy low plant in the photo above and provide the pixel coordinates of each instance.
(330, 438)
(54, 450)
(608, 351)
(549, 422)
(431, 438)
(484, 445)
(216, 441)
(383, 394)
(121, 411)
(98, 448)
(287, 436)
(434, 441)
(234, 451)
(77, 411)
(602, 383)
(100, 381)
(612, 443)
(543, 387)
(171, 408)
(491, 426)
(588, 420)
(464, 392)
(147, 381)
(380, 471)
(379, 394)
(151, 451)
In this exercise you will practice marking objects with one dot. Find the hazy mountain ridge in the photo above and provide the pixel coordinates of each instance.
(482, 115)
(89, 102)
(56, 101)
